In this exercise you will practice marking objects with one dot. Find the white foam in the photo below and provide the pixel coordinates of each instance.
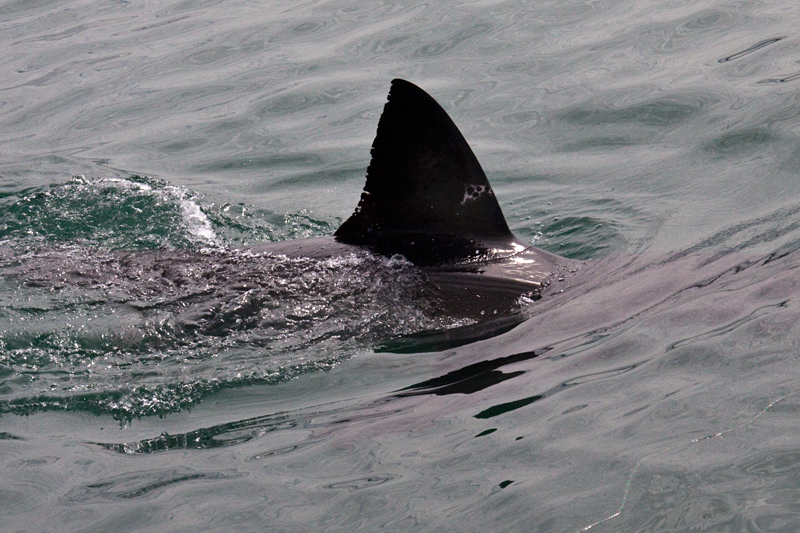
(197, 223)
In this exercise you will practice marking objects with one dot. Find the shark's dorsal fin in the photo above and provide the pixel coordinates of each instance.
(423, 184)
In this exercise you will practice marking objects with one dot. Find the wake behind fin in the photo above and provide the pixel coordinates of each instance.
(426, 196)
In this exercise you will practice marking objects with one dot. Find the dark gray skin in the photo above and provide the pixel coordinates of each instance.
(427, 198)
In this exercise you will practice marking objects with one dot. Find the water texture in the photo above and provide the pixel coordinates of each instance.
(157, 374)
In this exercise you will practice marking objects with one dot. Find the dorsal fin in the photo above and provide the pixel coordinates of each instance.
(423, 180)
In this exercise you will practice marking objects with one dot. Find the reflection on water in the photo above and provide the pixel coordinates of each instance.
(658, 391)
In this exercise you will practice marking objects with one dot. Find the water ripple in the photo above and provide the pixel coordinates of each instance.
(749, 50)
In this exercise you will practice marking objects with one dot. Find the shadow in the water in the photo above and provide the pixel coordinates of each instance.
(471, 378)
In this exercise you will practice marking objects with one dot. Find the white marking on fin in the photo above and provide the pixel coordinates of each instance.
(473, 192)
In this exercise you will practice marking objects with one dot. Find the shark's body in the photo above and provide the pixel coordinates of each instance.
(427, 198)
(234, 317)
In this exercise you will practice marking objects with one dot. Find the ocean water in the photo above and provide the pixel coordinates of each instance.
(156, 375)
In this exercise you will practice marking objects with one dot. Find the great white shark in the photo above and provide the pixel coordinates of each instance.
(426, 198)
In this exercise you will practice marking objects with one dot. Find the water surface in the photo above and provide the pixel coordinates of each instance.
(154, 374)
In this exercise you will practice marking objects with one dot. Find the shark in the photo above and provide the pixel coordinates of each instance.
(426, 205)
(425, 262)
(427, 199)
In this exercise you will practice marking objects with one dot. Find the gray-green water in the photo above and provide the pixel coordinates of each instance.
(154, 375)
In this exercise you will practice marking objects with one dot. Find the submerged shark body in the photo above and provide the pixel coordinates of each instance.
(182, 322)
(427, 198)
